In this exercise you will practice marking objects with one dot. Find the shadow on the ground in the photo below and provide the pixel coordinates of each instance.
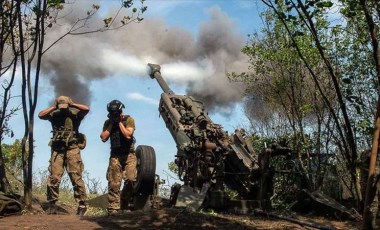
(171, 218)
(167, 218)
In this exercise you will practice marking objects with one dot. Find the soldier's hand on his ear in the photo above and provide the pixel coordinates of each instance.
(70, 101)
(55, 103)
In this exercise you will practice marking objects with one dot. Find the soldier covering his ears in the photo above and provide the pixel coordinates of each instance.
(119, 128)
(65, 117)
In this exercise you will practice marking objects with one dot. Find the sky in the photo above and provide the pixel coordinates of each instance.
(195, 42)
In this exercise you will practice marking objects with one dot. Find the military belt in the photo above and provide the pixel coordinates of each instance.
(122, 151)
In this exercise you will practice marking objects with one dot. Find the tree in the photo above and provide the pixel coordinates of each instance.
(300, 48)
(349, 52)
(371, 11)
(6, 65)
(282, 94)
(27, 24)
(304, 18)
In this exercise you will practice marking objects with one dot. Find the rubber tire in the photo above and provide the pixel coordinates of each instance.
(141, 202)
(146, 171)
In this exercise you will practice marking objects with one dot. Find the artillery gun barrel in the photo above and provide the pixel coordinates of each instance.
(155, 72)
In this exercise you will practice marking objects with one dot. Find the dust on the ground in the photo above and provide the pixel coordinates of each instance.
(164, 218)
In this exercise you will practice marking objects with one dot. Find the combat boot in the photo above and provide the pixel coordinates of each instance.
(126, 196)
(82, 208)
(52, 208)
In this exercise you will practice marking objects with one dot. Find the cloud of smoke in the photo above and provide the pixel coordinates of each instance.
(140, 97)
(198, 63)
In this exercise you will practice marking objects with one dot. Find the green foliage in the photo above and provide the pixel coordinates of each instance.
(304, 46)
(173, 167)
(282, 56)
(143, 9)
(67, 201)
(280, 75)
(230, 193)
(95, 7)
(12, 154)
(259, 142)
(291, 24)
(127, 3)
(56, 3)
(135, 15)
(37, 10)
(13, 164)
(107, 21)
(355, 61)
(209, 212)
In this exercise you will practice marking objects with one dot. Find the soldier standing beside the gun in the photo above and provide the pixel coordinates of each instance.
(65, 117)
(122, 163)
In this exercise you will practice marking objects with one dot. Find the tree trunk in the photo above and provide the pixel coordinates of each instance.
(371, 183)
(28, 188)
(371, 190)
(4, 184)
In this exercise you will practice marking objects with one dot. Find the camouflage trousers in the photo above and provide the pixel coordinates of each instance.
(71, 161)
(121, 167)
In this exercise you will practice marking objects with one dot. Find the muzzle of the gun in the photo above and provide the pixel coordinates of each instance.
(154, 71)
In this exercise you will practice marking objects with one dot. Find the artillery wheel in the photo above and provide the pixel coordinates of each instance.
(146, 175)
(141, 202)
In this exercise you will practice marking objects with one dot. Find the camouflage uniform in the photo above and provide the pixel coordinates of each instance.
(65, 154)
(122, 166)
(72, 161)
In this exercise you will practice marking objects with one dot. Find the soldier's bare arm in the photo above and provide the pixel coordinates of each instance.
(126, 131)
(105, 134)
(44, 114)
(83, 108)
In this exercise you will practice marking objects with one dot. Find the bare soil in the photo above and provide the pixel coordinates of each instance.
(163, 218)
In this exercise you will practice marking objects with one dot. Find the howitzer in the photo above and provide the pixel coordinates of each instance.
(205, 152)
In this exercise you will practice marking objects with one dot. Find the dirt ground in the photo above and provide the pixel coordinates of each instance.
(164, 218)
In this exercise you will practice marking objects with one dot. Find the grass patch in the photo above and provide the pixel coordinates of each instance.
(66, 200)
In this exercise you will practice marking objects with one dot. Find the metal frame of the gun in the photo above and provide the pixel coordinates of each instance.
(199, 155)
